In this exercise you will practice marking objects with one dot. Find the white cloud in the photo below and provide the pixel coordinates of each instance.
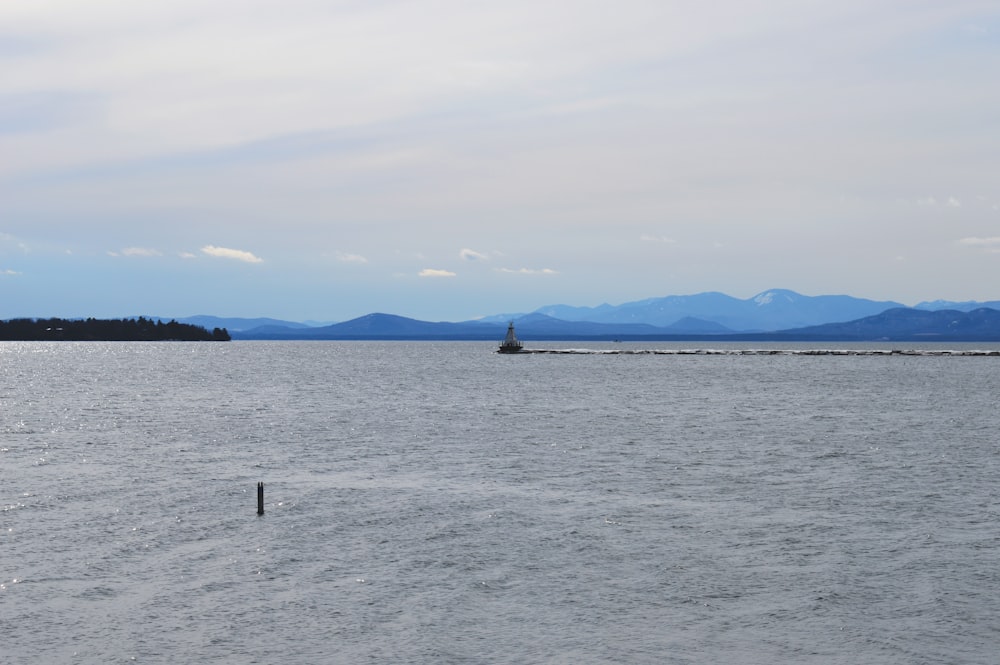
(981, 242)
(187, 255)
(344, 257)
(9, 272)
(989, 245)
(953, 202)
(645, 237)
(226, 253)
(529, 271)
(473, 255)
(7, 240)
(140, 251)
(431, 272)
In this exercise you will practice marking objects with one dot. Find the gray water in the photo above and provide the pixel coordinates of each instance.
(439, 503)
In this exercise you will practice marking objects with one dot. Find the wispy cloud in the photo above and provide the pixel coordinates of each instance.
(7, 240)
(344, 257)
(991, 244)
(472, 255)
(646, 237)
(529, 271)
(431, 272)
(227, 253)
(140, 251)
(9, 272)
(951, 202)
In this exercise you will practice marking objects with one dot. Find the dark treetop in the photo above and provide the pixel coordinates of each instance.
(111, 330)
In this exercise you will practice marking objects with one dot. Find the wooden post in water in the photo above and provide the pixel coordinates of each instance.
(260, 498)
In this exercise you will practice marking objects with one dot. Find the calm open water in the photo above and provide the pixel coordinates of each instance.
(439, 503)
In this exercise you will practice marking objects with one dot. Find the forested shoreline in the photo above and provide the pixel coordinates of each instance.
(107, 330)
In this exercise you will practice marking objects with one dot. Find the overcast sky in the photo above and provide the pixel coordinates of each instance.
(448, 159)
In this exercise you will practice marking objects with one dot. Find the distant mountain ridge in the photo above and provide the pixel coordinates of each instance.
(966, 306)
(899, 324)
(906, 324)
(775, 312)
(235, 323)
(775, 309)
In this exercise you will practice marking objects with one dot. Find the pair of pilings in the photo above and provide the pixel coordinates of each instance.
(260, 498)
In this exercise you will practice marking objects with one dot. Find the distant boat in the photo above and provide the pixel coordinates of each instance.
(510, 343)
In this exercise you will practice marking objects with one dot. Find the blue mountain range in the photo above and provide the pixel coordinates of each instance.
(774, 314)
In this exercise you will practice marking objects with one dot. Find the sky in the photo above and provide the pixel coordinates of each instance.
(318, 160)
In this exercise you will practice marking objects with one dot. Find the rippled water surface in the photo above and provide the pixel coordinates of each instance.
(439, 503)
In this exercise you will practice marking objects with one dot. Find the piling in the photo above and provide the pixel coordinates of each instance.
(260, 498)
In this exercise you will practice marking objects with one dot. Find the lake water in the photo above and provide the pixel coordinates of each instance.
(440, 503)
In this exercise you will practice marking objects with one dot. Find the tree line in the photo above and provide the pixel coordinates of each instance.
(107, 330)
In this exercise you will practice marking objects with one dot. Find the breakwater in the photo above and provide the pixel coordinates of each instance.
(769, 352)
